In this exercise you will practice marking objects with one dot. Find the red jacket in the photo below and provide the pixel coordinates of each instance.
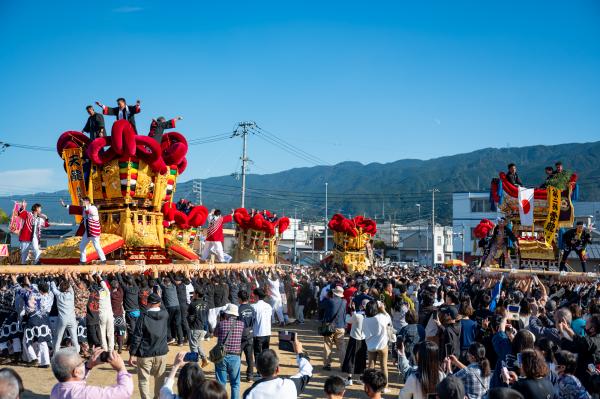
(26, 233)
(215, 228)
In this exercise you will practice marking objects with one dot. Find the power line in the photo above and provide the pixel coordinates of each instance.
(5, 145)
(288, 147)
(210, 139)
(278, 139)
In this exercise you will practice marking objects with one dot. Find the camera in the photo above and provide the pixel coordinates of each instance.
(191, 357)
(286, 339)
(104, 356)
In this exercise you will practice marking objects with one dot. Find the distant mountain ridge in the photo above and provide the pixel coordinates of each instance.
(376, 189)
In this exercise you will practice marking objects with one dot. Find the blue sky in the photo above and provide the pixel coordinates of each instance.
(362, 81)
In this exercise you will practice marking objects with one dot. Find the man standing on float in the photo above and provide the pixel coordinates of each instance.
(214, 235)
(32, 231)
(89, 229)
(122, 110)
(575, 240)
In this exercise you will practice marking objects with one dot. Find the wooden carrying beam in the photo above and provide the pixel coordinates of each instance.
(173, 267)
(529, 272)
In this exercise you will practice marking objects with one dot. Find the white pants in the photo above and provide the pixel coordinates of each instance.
(278, 309)
(107, 331)
(213, 315)
(37, 351)
(26, 246)
(63, 325)
(217, 248)
(95, 242)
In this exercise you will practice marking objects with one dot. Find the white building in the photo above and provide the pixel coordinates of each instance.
(295, 230)
(467, 211)
(415, 243)
(389, 233)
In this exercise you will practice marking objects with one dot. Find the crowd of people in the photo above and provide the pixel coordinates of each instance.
(449, 333)
(60, 319)
(458, 335)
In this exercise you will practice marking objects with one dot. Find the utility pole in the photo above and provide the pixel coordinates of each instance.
(433, 191)
(242, 130)
(295, 230)
(419, 245)
(197, 189)
(326, 218)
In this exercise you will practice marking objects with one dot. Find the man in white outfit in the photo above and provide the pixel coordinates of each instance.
(89, 229)
(214, 236)
(273, 282)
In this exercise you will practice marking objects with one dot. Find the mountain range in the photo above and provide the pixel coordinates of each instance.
(389, 190)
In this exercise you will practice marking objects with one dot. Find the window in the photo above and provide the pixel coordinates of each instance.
(439, 258)
(479, 205)
(439, 240)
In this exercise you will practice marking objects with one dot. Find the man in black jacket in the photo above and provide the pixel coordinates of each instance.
(220, 299)
(512, 176)
(182, 297)
(95, 124)
(158, 126)
(575, 240)
(247, 314)
(131, 302)
(197, 318)
(148, 349)
(122, 110)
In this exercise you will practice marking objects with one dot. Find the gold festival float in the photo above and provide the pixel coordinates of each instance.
(132, 180)
(351, 238)
(258, 236)
(536, 215)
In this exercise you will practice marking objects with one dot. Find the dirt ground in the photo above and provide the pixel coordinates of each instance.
(39, 382)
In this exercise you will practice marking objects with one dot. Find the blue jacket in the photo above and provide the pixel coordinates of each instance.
(335, 311)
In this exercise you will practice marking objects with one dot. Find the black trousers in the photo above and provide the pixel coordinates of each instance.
(93, 335)
(184, 324)
(260, 344)
(248, 350)
(565, 255)
(175, 331)
(130, 326)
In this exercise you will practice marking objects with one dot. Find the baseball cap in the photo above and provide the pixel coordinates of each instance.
(450, 311)
(153, 299)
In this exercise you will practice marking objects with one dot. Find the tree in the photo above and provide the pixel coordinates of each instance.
(3, 217)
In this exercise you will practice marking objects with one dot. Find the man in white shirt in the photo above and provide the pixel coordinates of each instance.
(275, 387)
(273, 282)
(262, 327)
